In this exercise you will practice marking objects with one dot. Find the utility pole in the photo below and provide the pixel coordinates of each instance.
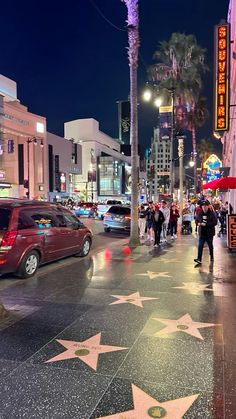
(172, 91)
(181, 180)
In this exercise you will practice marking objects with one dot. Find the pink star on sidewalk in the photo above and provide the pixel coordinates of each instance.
(87, 351)
(183, 324)
(153, 275)
(194, 287)
(146, 407)
(134, 299)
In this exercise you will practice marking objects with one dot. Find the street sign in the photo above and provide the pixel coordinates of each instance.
(231, 231)
(165, 109)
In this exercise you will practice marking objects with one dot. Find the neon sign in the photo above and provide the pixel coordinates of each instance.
(221, 73)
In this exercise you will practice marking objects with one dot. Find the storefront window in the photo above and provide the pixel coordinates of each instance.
(110, 176)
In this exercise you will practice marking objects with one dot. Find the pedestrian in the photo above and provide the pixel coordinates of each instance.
(174, 215)
(157, 222)
(149, 217)
(206, 230)
(166, 212)
(142, 221)
(197, 213)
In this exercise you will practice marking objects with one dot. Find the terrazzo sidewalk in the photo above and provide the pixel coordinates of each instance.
(119, 335)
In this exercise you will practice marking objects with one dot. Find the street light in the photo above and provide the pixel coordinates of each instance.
(29, 141)
(147, 97)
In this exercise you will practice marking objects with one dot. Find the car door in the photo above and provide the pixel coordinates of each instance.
(72, 232)
(38, 229)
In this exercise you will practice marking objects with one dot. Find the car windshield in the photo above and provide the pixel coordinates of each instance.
(119, 210)
(5, 214)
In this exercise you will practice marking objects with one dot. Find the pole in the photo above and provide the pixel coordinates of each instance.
(181, 182)
(156, 137)
(172, 144)
(28, 166)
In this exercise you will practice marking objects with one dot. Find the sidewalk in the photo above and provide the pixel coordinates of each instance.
(145, 335)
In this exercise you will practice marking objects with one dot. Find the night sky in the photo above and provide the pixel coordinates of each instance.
(71, 62)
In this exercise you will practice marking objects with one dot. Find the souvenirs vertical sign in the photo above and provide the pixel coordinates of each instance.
(221, 77)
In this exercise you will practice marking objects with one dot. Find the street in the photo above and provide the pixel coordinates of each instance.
(121, 335)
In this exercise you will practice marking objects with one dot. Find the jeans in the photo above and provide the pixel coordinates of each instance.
(142, 225)
(164, 230)
(157, 234)
(173, 227)
(209, 241)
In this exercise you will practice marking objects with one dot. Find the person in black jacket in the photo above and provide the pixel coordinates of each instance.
(157, 221)
(206, 229)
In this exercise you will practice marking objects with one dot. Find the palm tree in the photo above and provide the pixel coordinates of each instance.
(133, 35)
(205, 149)
(180, 66)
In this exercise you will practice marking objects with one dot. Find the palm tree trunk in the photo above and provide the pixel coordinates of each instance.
(194, 157)
(133, 33)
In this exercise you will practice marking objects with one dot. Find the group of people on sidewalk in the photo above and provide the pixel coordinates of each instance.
(158, 220)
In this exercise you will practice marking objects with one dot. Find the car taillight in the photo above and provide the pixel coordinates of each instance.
(8, 240)
(107, 214)
(127, 217)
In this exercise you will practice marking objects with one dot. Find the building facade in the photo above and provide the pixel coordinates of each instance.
(106, 171)
(64, 164)
(23, 160)
(229, 138)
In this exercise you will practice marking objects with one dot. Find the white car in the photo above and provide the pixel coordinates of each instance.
(103, 208)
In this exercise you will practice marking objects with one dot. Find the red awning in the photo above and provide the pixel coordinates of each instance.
(228, 182)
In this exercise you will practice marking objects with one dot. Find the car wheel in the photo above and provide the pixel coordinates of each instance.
(86, 247)
(107, 229)
(29, 265)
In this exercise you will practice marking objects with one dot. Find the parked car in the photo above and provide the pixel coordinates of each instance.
(117, 218)
(103, 208)
(87, 209)
(33, 233)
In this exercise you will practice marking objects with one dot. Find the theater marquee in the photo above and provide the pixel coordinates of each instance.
(221, 75)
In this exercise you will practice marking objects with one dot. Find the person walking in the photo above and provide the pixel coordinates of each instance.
(142, 221)
(157, 222)
(206, 230)
(150, 211)
(174, 215)
(166, 212)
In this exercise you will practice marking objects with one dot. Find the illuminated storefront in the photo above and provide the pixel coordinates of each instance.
(229, 138)
(23, 138)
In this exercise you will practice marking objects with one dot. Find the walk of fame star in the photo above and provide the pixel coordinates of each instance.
(146, 407)
(153, 275)
(168, 260)
(183, 324)
(194, 287)
(134, 299)
(87, 351)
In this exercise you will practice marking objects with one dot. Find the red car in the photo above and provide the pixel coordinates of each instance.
(33, 233)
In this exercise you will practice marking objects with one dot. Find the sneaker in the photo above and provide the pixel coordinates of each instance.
(198, 261)
(172, 237)
(175, 236)
(155, 245)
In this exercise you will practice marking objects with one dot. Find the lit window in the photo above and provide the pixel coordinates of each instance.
(40, 127)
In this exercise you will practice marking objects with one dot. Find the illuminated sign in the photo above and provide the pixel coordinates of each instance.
(211, 168)
(231, 232)
(221, 73)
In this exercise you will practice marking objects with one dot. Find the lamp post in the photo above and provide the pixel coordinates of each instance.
(29, 141)
(181, 176)
(147, 97)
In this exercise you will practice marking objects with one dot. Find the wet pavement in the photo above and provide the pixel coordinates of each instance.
(140, 335)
